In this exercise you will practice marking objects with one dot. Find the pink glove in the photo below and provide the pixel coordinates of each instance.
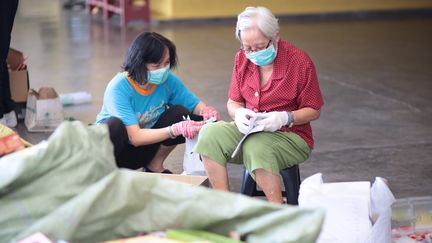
(188, 129)
(209, 112)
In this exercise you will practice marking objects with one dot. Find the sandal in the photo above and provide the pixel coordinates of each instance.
(165, 171)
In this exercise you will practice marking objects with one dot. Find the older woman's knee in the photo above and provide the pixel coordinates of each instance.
(254, 146)
(212, 131)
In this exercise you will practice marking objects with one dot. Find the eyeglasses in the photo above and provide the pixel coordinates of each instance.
(250, 49)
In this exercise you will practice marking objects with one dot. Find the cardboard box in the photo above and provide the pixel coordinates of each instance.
(188, 179)
(18, 76)
(44, 111)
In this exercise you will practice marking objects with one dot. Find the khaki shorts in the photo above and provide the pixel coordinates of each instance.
(271, 151)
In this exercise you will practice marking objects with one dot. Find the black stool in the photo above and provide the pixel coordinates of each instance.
(291, 181)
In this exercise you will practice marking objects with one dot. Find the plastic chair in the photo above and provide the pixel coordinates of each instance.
(291, 181)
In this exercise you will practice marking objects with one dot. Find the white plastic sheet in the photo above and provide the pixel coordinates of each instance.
(381, 200)
(355, 212)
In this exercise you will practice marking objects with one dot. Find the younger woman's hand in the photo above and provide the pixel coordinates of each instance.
(209, 112)
(188, 129)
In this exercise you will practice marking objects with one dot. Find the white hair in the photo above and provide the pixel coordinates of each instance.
(257, 17)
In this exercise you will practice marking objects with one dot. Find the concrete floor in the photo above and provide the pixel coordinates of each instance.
(376, 77)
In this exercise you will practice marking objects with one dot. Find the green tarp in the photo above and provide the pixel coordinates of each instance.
(70, 189)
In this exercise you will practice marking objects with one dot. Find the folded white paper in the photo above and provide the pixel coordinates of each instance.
(253, 128)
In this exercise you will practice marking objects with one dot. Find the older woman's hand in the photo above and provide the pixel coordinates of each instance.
(242, 119)
(273, 121)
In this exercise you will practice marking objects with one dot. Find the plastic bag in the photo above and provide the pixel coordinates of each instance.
(349, 215)
(80, 197)
(346, 205)
(192, 163)
(381, 200)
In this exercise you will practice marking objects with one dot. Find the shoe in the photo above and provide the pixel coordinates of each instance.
(165, 171)
(9, 119)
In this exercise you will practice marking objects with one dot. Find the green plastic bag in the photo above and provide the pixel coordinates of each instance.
(69, 188)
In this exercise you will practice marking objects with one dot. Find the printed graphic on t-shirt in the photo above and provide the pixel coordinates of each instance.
(150, 117)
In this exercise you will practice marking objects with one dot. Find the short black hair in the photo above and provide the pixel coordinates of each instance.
(148, 47)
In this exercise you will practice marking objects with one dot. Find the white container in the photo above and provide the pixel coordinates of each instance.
(76, 98)
(412, 220)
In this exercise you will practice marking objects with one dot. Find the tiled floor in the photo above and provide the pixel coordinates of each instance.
(376, 77)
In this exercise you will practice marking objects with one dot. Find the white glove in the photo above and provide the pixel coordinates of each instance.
(273, 121)
(242, 116)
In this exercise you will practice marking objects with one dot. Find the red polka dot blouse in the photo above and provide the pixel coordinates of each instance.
(293, 85)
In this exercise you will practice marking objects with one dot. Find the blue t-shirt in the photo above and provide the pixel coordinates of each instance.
(135, 106)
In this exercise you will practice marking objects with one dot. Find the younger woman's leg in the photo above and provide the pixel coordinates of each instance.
(118, 135)
(172, 115)
(150, 156)
(126, 154)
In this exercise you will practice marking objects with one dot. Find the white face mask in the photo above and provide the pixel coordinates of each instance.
(158, 76)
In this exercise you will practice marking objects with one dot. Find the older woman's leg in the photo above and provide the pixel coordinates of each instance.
(217, 174)
(270, 184)
(216, 143)
(265, 154)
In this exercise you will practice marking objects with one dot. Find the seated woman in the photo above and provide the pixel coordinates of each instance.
(145, 104)
(276, 84)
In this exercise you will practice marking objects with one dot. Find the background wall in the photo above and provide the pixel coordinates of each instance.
(191, 9)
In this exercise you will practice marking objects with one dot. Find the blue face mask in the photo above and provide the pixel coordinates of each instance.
(263, 57)
(158, 76)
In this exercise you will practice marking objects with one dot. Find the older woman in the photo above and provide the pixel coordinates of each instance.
(275, 85)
